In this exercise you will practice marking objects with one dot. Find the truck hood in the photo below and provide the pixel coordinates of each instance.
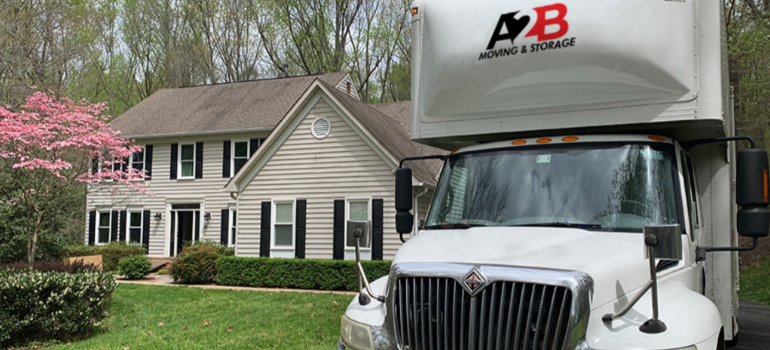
(614, 260)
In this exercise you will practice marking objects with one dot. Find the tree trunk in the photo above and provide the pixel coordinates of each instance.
(32, 243)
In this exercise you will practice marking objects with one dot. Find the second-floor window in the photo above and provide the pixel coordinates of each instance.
(240, 154)
(137, 161)
(187, 161)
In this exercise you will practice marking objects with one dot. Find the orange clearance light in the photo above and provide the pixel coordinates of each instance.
(414, 11)
(656, 138)
(570, 139)
(519, 142)
(544, 140)
(454, 151)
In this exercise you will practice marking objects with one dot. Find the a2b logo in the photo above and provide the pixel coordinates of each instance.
(514, 26)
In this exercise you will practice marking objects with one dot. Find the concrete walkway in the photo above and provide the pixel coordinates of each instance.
(165, 280)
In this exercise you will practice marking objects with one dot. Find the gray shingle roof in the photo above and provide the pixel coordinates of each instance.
(220, 107)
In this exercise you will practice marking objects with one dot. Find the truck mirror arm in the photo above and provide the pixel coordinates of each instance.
(363, 299)
(692, 144)
(435, 156)
(700, 252)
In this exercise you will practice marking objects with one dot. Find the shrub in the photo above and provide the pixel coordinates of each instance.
(163, 272)
(134, 267)
(41, 306)
(221, 249)
(297, 273)
(52, 266)
(196, 264)
(111, 253)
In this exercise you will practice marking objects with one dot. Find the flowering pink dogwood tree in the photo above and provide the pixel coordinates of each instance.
(53, 145)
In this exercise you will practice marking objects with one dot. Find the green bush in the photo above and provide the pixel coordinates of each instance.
(134, 267)
(111, 253)
(221, 249)
(297, 273)
(196, 264)
(163, 272)
(40, 306)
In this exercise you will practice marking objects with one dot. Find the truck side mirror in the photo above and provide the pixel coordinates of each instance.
(404, 219)
(751, 184)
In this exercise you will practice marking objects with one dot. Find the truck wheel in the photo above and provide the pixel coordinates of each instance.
(732, 342)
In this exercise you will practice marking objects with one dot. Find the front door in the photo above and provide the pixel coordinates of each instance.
(185, 227)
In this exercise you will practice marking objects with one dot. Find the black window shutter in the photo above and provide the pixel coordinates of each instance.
(300, 228)
(199, 160)
(224, 228)
(174, 159)
(146, 230)
(114, 229)
(377, 228)
(338, 251)
(226, 159)
(148, 160)
(253, 145)
(264, 230)
(123, 224)
(91, 227)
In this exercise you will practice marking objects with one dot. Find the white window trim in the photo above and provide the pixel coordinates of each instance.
(273, 213)
(144, 162)
(179, 162)
(232, 224)
(141, 224)
(99, 214)
(232, 154)
(369, 218)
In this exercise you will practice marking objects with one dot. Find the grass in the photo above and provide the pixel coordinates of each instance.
(158, 317)
(755, 283)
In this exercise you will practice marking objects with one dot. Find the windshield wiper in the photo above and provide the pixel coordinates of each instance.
(452, 226)
(562, 224)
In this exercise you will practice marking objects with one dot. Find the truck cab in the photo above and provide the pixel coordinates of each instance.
(573, 144)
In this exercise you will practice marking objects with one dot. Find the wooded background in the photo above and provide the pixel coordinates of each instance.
(122, 51)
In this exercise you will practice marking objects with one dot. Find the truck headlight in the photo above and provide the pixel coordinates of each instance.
(356, 335)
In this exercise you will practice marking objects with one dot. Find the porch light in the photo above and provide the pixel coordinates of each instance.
(157, 216)
(207, 217)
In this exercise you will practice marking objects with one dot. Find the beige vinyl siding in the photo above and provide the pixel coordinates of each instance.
(206, 191)
(343, 86)
(319, 171)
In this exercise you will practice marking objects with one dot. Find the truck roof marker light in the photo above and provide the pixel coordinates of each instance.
(570, 139)
(544, 140)
(454, 151)
(414, 11)
(656, 138)
(519, 142)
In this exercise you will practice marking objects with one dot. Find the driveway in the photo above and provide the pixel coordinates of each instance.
(754, 323)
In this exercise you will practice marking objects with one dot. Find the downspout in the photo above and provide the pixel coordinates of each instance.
(417, 206)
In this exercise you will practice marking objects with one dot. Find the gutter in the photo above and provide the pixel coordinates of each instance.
(200, 133)
(417, 206)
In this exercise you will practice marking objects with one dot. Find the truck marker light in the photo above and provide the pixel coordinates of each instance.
(519, 142)
(454, 151)
(544, 140)
(570, 139)
(656, 138)
(414, 11)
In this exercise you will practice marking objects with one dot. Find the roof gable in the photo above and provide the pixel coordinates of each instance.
(248, 105)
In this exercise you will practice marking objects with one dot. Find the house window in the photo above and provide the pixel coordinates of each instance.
(283, 229)
(240, 154)
(136, 161)
(135, 226)
(233, 227)
(187, 161)
(358, 210)
(104, 222)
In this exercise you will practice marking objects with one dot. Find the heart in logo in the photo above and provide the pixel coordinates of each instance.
(513, 26)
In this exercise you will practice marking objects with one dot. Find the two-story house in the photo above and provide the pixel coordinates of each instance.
(271, 167)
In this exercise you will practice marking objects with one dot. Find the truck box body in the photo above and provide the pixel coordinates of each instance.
(583, 65)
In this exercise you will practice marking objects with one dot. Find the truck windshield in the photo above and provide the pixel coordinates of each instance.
(606, 186)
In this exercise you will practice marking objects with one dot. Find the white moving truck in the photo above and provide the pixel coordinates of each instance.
(593, 171)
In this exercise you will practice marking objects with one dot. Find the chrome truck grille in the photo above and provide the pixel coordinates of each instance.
(487, 307)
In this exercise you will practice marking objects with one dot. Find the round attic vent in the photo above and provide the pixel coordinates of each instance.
(321, 128)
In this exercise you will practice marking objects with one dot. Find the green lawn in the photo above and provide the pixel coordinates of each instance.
(157, 317)
(755, 283)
